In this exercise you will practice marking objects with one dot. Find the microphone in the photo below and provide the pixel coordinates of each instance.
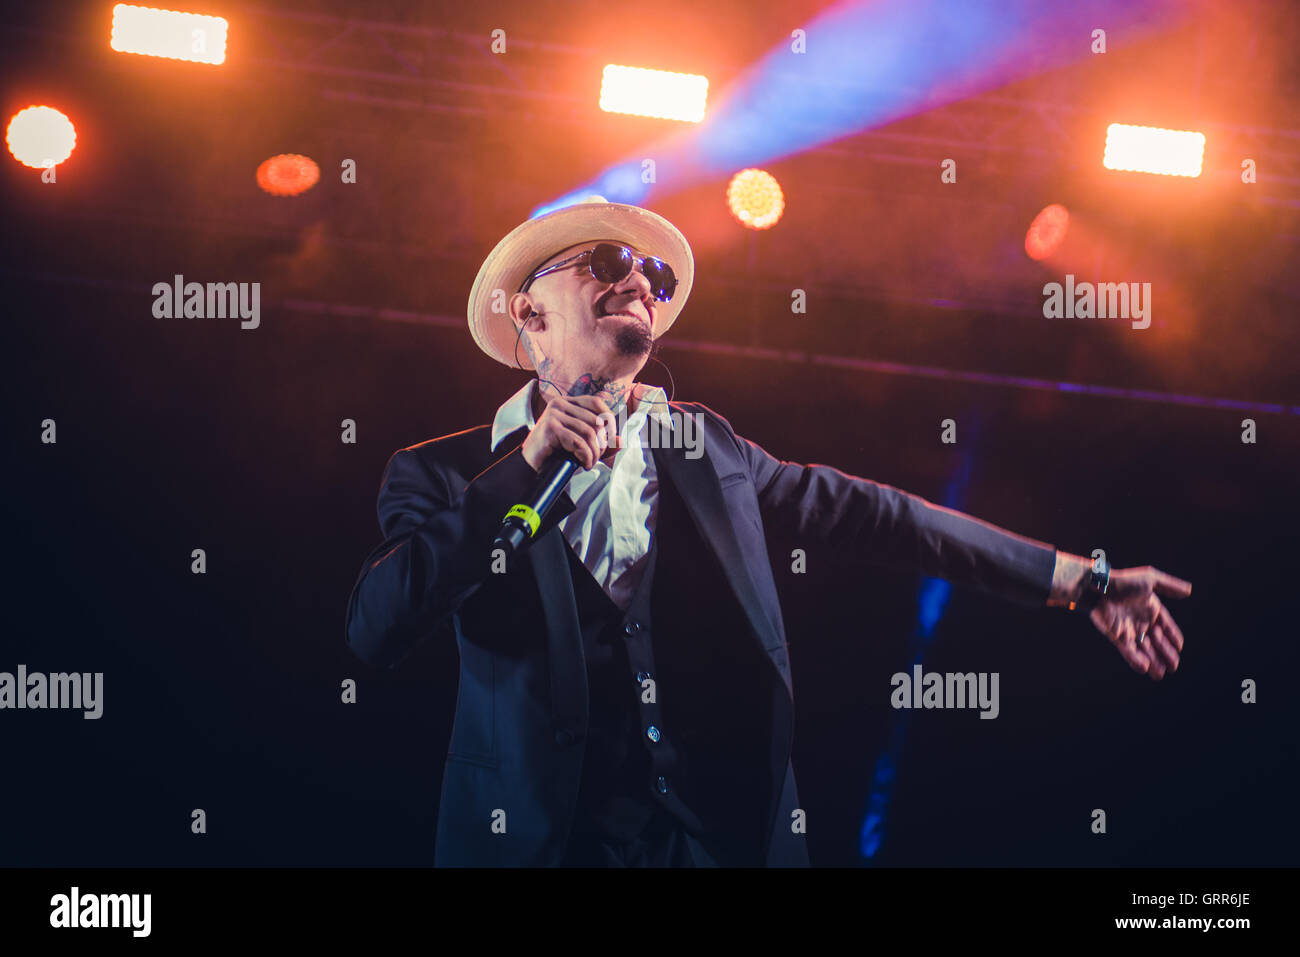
(523, 520)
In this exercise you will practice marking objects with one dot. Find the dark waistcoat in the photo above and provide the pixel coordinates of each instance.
(672, 727)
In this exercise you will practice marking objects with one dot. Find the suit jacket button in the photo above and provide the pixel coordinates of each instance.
(564, 737)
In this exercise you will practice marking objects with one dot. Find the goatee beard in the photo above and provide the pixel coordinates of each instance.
(633, 340)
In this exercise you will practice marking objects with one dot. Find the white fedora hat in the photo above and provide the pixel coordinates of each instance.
(530, 244)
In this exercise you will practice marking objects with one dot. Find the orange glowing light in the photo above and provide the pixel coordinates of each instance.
(40, 137)
(168, 33)
(288, 174)
(1149, 149)
(755, 199)
(670, 96)
(1047, 231)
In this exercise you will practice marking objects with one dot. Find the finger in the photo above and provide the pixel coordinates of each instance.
(581, 451)
(1171, 587)
(1127, 630)
(605, 422)
(1153, 609)
(1159, 638)
(1171, 628)
(1114, 630)
(589, 433)
(1158, 666)
(1138, 661)
(592, 403)
(1145, 626)
(593, 417)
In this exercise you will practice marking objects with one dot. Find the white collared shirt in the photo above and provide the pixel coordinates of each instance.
(614, 511)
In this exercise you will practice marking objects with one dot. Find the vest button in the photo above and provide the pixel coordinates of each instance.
(642, 676)
(632, 627)
(652, 733)
(662, 785)
(564, 737)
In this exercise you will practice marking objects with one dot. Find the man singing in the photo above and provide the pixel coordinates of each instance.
(625, 697)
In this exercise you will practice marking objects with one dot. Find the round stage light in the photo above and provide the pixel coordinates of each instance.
(288, 174)
(40, 136)
(1047, 231)
(755, 199)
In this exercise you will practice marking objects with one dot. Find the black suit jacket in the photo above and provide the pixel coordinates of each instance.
(515, 755)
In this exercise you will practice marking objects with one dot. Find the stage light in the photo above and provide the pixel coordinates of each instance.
(40, 136)
(1047, 231)
(669, 96)
(287, 174)
(755, 199)
(1149, 149)
(168, 33)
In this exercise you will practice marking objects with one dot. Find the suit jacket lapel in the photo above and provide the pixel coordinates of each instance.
(697, 480)
(568, 661)
(550, 564)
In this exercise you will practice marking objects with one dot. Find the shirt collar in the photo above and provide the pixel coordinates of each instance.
(517, 411)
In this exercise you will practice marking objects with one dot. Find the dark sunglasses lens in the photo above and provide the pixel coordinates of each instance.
(610, 263)
(662, 281)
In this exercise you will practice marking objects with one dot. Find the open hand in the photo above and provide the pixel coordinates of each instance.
(1132, 616)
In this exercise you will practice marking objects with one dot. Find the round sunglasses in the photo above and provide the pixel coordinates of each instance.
(614, 262)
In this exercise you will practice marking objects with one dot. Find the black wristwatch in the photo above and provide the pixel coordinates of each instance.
(1095, 586)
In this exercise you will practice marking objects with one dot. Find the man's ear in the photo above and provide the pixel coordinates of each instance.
(522, 311)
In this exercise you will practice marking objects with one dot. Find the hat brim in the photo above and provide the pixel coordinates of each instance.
(530, 244)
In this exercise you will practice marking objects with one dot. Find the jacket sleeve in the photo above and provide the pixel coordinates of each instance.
(436, 552)
(884, 525)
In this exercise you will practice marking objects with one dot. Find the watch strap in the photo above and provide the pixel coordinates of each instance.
(1094, 586)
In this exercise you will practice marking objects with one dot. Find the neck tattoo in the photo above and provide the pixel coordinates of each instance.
(614, 393)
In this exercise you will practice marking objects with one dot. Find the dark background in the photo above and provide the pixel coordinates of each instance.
(222, 690)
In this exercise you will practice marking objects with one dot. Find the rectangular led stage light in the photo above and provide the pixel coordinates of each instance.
(669, 96)
(168, 33)
(1149, 149)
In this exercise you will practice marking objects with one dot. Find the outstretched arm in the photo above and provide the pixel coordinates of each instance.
(883, 524)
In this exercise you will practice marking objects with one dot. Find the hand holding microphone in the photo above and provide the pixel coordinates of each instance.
(582, 425)
(573, 431)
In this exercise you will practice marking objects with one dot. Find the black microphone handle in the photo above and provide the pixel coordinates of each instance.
(554, 476)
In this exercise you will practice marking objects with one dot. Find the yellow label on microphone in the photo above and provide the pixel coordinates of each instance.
(529, 515)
